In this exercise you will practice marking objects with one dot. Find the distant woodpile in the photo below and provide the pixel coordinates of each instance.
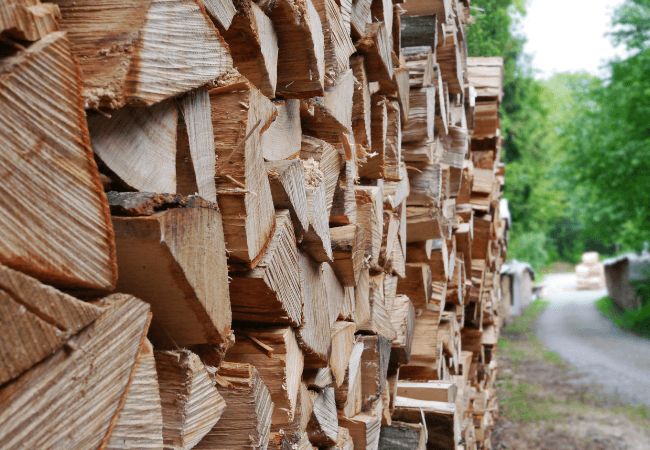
(248, 225)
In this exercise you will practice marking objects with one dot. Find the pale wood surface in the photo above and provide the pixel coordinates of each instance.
(54, 219)
(342, 345)
(139, 424)
(82, 389)
(271, 291)
(37, 320)
(287, 184)
(253, 44)
(280, 370)
(301, 54)
(246, 423)
(191, 404)
(240, 113)
(174, 259)
(282, 140)
(155, 36)
(29, 20)
(314, 333)
(139, 146)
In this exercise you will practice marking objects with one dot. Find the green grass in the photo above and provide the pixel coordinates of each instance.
(522, 405)
(635, 320)
(523, 323)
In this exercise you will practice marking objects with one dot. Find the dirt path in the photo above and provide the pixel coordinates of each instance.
(547, 404)
(573, 327)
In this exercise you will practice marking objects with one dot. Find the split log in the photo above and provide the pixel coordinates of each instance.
(153, 36)
(323, 426)
(382, 11)
(270, 293)
(361, 16)
(316, 242)
(379, 322)
(390, 239)
(386, 141)
(420, 64)
(376, 45)
(221, 12)
(317, 378)
(442, 421)
(403, 319)
(425, 182)
(332, 113)
(139, 424)
(301, 55)
(247, 421)
(314, 333)
(338, 44)
(195, 141)
(278, 359)
(29, 20)
(344, 203)
(39, 409)
(436, 391)
(441, 126)
(287, 181)
(421, 152)
(402, 436)
(362, 310)
(282, 139)
(374, 363)
(422, 112)
(361, 106)
(370, 212)
(37, 320)
(438, 259)
(335, 293)
(395, 192)
(423, 223)
(348, 251)
(138, 146)
(171, 253)
(253, 44)
(342, 345)
(416, 285)
(399, 89)
(73, 250)
(364, 428)
(243, 190)
(343, 440)
(329, 160)
(348, 394)
(191, 404)
(425, 351)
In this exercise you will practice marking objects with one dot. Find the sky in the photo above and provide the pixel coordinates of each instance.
(568, 35)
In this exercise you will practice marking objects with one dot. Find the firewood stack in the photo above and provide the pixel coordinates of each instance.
(232, 225)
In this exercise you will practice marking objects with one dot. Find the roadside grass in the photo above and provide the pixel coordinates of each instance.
(635, 320)
(522, 405)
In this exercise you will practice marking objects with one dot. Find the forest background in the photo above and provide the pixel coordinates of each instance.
(577, 147)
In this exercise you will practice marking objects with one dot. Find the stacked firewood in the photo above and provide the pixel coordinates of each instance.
(230, 225)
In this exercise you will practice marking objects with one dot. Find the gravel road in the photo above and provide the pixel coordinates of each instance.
(573, 327)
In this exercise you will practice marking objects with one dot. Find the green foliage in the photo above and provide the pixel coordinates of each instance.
(607, 141)
(636, 320)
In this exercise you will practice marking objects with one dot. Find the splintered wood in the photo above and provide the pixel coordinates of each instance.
(248, 224)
